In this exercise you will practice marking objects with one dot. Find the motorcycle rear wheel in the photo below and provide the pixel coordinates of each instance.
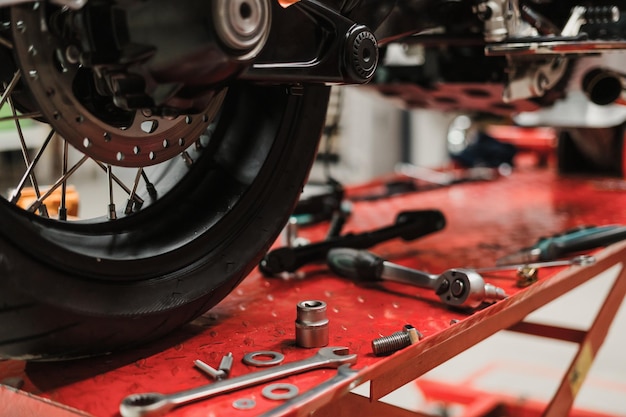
(75, 289)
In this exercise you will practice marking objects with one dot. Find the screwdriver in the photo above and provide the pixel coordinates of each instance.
(574, 240)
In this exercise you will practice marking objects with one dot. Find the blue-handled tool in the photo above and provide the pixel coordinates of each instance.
(575, 240)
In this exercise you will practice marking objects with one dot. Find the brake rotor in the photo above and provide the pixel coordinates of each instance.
(144, 140)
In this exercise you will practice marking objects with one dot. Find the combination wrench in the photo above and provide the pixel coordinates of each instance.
(344, 372)
(153, 404)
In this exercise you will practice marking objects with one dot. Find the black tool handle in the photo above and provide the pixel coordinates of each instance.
(409, 225)
(357, 264)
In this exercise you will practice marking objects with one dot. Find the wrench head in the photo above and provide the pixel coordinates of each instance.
(150, 404)
(336, 355)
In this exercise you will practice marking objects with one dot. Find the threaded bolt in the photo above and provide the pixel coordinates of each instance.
(399, 340)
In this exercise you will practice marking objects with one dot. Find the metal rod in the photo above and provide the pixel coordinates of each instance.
(9, 88)
(133, 194)
(63, 207)
(21, 116)
(105, 168)
(111, 211)
(152, 192)
(25, 155)
(57, 184)
(6, 43)
(583, 260)
(27, 174)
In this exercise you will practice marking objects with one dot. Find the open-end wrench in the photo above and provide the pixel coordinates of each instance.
(154, 404)
(343, 373)
(462, 288)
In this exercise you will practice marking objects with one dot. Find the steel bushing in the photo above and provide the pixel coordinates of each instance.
(242, 25)
(311, 324)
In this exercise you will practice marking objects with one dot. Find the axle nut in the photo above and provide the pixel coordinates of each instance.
(243, 25)
(311, 324)
(361, 54)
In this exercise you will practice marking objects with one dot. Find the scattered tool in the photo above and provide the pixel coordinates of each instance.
(582, 260)
(221, 372)
(344, 372)
(263, 358)
(574, 240)
(311, 324)
(463, 288)
(155, 404)
(244, 404)
(278, 392)
(409, 225)
(386, 345)
(528, 274)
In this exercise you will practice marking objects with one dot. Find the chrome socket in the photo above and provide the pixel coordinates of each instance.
(311, 324)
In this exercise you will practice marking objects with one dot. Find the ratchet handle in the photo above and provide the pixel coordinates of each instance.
(409, 225)
(355, 264)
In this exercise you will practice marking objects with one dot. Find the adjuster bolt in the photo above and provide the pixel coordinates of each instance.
(399, 340)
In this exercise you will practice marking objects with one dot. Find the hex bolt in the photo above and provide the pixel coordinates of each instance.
(399, 340)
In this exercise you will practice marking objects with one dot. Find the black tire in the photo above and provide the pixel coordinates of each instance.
(71, 289)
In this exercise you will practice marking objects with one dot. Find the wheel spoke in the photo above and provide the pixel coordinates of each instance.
(25, 155)
(112, 213)
(63, 207)
(152, 192)
(57, 184)
(5, 43)
(187, 158)
(21, 116)
(18, 191)
(115, 179)
(9, 88)
(132, 204)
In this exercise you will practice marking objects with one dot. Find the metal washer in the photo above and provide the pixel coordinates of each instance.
(244, 404)
(280, 391)
(276, 358)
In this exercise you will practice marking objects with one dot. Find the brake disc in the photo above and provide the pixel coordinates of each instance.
(101, 131)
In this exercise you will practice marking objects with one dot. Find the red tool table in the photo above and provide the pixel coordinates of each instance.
(485, 220)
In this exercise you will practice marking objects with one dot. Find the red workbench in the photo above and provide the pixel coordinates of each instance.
(485, 220)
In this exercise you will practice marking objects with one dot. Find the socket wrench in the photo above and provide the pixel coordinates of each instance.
(462, 288)
(153, 404)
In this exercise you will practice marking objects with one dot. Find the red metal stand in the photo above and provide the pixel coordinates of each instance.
(485, 221)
